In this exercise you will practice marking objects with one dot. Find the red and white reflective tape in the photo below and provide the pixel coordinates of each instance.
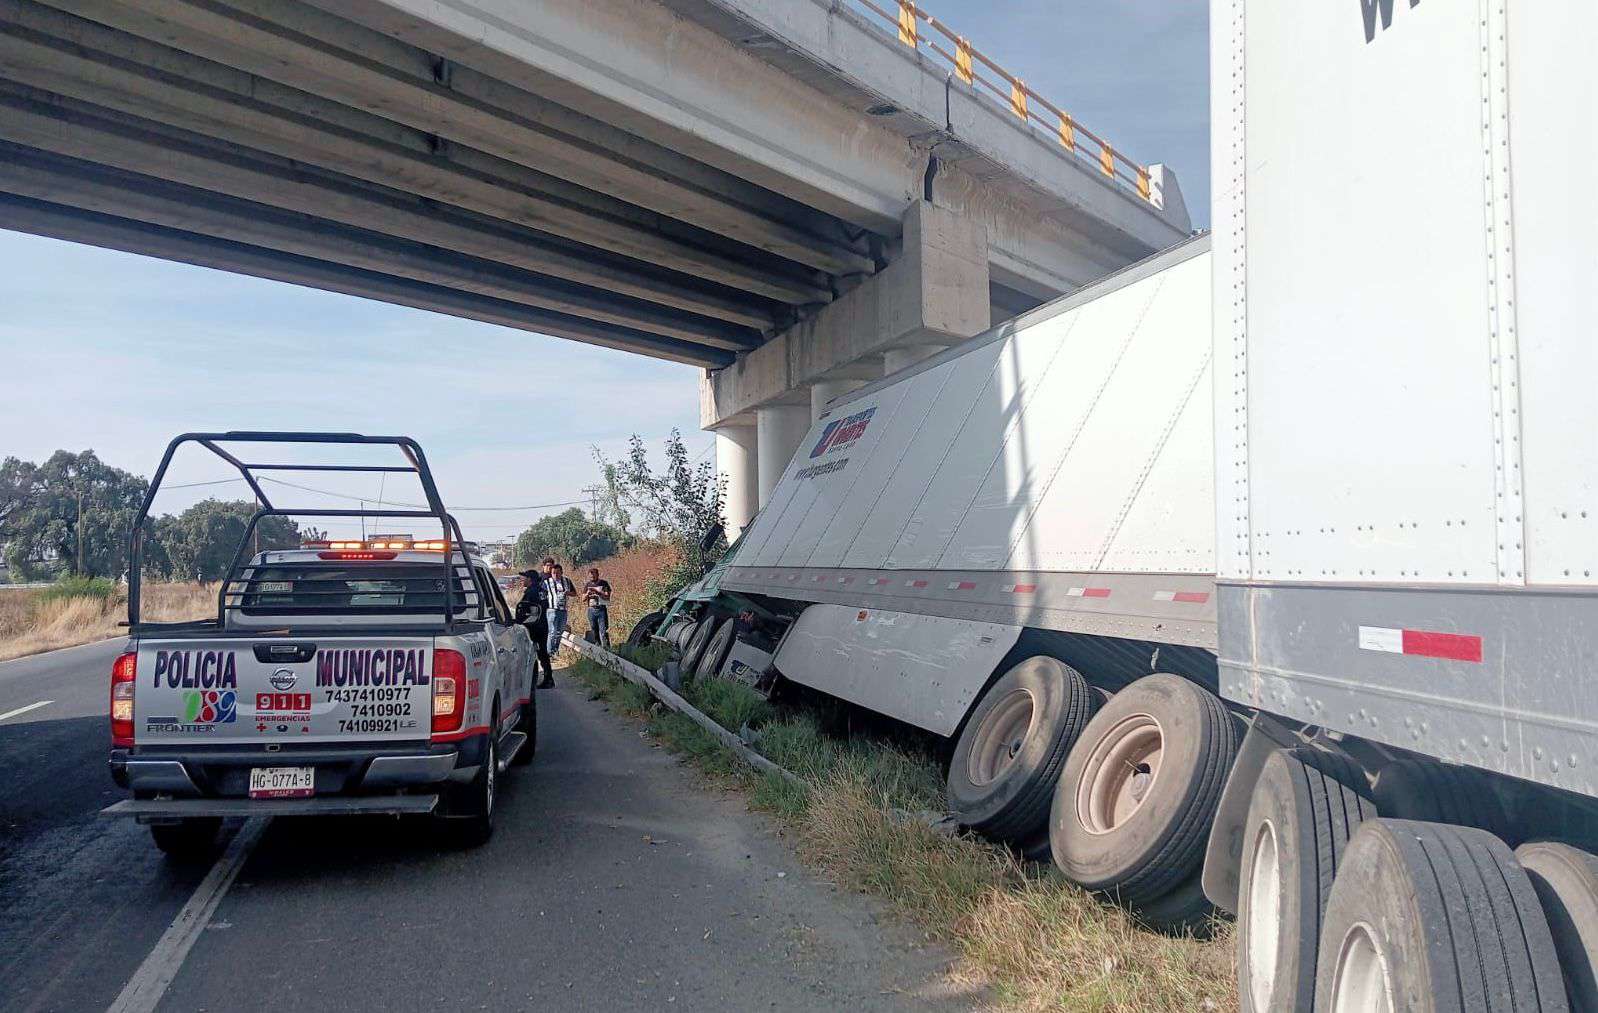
(846, 580)
(962, 585)
(1421, 643)
(1022, 588)
(1088, 592)
(1195, 597)
(878, 580)
(915, 583)
(818, 578)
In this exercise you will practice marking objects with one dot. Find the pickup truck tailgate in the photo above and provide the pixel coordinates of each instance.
(256, 690)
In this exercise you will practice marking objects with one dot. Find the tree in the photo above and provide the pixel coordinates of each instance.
(680, 504)
(199, 543)
(571, 536)
(74, 508)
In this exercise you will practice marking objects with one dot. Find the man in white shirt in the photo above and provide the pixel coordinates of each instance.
(557, 587)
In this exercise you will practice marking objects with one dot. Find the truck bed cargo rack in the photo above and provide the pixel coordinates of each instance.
(415, 464)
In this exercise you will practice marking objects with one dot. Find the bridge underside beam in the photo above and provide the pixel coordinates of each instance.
(935, 294)
(44, 219)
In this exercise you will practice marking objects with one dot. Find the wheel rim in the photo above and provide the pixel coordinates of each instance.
(1264, 916)
(1000, 736)
(1361, 983)
(1120, 773)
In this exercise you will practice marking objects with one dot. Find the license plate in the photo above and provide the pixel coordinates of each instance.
(282, 782)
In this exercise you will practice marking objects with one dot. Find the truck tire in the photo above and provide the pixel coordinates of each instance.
(527, 724)
(189, 840)
(644, 628)
(681, 633)
(1133, 808)
(1002, 773)
(695, 645)
(472, 816)
(1435, 918)
(1305, 807)
(1442, 793)
(1566, 881)
(715, 653)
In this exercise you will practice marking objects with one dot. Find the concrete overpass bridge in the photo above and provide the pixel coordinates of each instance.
(794, 195)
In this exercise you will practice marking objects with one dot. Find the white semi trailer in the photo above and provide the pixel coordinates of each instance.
(1267, 570)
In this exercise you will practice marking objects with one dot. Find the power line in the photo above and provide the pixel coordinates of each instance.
(421, 506)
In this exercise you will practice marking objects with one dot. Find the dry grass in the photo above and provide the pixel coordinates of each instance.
(1035, 940)
(631, 574)
(31, 622)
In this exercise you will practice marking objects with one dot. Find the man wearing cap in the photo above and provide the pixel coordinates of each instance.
(533, 610)
(557, 587)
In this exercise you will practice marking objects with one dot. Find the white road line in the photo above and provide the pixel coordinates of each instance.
(24, 710)
(149, 983)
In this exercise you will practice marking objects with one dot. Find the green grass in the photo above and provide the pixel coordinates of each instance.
(1035, 940)
(99, 588)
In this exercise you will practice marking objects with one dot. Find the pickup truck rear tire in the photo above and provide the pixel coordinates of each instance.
(472, 815)
(190, 840)
(527, 724)
(1425, 916)
(1133, 808)
(1002, 772)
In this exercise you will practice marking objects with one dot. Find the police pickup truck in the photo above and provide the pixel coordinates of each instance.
(383, 675)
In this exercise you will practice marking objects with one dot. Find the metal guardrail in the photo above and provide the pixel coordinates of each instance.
(969, 63)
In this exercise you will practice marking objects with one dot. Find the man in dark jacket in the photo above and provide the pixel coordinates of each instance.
(533, 610)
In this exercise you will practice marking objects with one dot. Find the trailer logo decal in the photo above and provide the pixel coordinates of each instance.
(842, 432)
(1421, 643)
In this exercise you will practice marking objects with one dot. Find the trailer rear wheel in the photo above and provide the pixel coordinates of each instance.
(1300, 817)
(715, 652)
(1003, 770)
(1442, 793)
(695, 645)
(1134, 806)
(1566, 881)
(1425, 916)
(1184, 909)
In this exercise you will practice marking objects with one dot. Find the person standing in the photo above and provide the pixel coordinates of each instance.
(557, 588)
(533, 611)
(597, 592)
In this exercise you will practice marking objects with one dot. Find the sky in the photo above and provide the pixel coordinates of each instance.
(117, 353)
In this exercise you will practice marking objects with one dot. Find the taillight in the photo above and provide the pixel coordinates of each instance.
(449, 690)
(123, 672)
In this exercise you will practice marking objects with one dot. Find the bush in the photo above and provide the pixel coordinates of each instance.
(100, 589)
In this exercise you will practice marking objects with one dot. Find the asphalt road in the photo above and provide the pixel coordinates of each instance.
(616, 880)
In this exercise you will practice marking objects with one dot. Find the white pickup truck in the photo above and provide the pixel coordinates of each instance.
(372, 676)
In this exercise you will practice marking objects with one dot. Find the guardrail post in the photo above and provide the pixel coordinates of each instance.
(907, 23)
(1143, 183)
(1067, 133)
(962, 61)
(1107, 159)
(1018, 97)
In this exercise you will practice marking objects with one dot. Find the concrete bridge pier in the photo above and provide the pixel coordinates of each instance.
(933, 293)
(735, 466)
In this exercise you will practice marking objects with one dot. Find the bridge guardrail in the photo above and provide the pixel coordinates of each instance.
(968, 64)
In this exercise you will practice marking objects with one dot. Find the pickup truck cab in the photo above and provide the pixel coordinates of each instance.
(372, 676)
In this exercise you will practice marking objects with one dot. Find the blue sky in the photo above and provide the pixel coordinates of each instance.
(117, 353)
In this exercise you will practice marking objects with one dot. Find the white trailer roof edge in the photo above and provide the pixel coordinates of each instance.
(1187, 249)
